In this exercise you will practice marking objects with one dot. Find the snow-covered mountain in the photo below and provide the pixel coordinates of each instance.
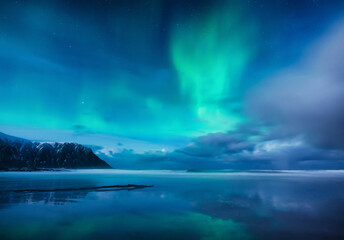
(17, 153)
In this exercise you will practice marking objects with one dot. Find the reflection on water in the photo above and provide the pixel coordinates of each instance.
(284, 205)
(9, 197)
(56, 198)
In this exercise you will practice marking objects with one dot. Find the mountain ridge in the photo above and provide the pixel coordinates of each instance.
(22, 154)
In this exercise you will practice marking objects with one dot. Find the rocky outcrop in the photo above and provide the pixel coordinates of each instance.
(22, 154)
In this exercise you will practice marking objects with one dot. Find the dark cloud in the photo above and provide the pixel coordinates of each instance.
(232, 150)
(260, 152)
(215, 144)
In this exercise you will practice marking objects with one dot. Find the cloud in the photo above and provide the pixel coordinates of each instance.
(215, 144)
(232, 150)
(307, 98)
(261, 152)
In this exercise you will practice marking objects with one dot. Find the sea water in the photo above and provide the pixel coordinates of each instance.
(180, 205)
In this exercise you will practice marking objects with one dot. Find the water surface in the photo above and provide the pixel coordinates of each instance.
(181, 205)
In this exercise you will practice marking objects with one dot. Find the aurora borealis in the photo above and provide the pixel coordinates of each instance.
(162, 74)
(126, 68)
(209, 55)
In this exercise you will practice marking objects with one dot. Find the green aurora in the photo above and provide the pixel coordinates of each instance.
(210, 55)
(135, 80)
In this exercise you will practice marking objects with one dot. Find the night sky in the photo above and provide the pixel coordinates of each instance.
(178, 84)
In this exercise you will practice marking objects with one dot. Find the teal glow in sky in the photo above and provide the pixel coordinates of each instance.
(210, 53)
(144, 69)
(136, 71)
